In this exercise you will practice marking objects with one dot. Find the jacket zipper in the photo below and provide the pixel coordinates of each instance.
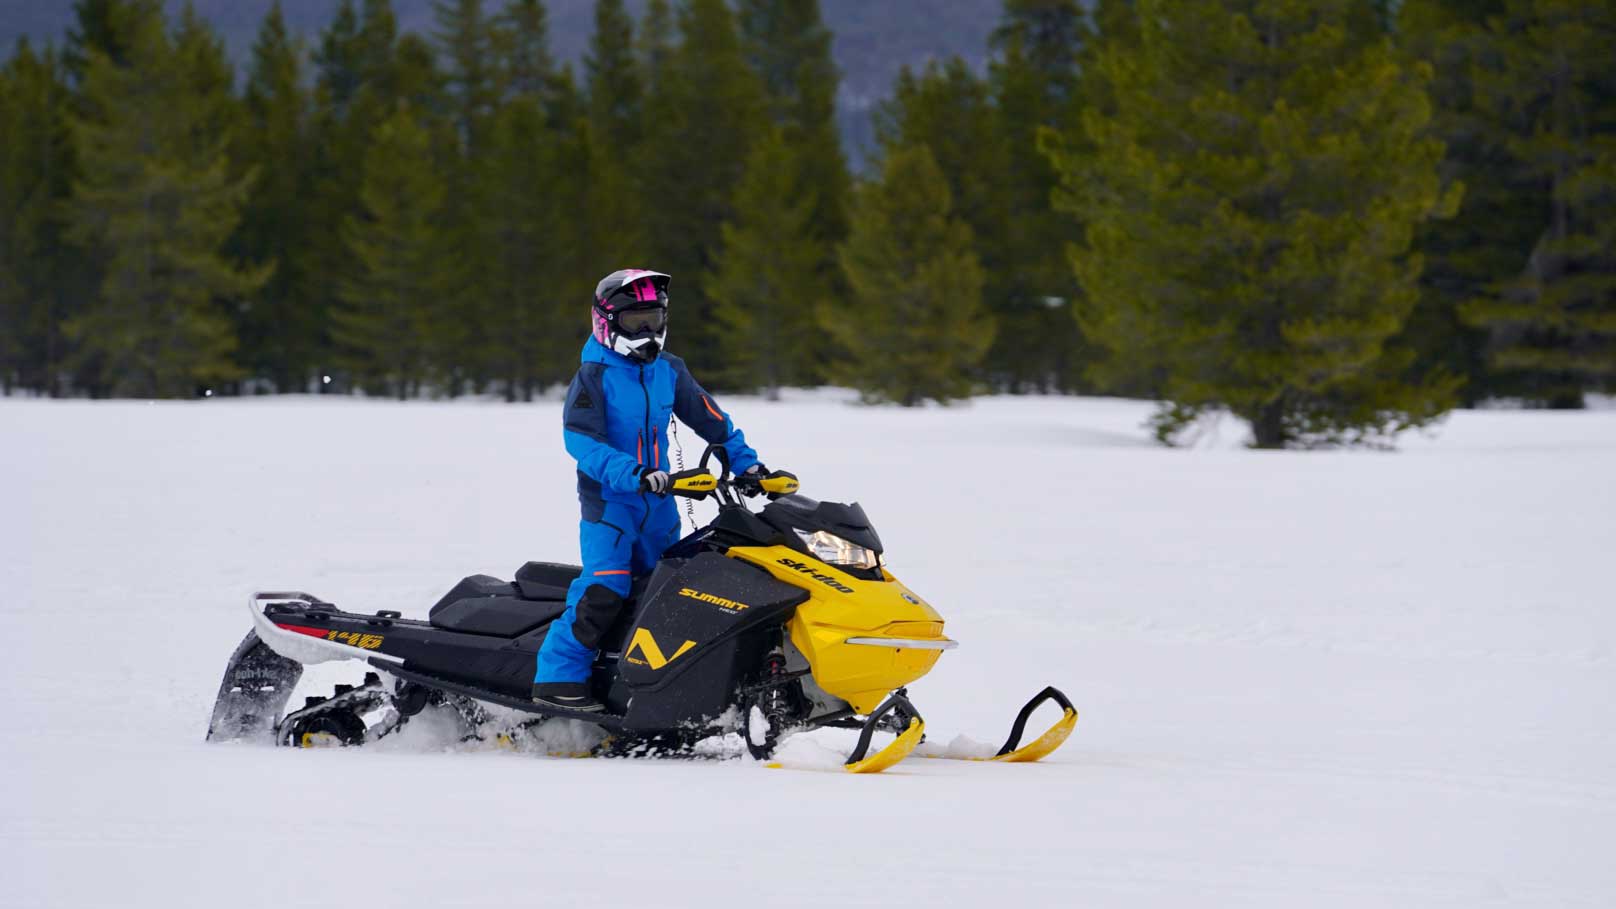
(645, 433)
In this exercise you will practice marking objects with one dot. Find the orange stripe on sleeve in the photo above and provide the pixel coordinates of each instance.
(613, 571)
(709, 405)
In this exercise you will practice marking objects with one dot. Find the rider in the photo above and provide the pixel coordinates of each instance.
(615, 424)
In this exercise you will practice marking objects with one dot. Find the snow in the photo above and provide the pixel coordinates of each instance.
(1304, 679)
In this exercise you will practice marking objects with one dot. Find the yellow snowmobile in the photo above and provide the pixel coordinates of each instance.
(762, 623)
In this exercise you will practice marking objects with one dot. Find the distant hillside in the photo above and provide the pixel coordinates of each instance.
(874, 38)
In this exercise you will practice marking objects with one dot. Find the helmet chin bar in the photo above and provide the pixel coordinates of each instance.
(642, 349)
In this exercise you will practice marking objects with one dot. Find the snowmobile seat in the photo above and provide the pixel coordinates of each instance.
(486, 605)
(545, 580)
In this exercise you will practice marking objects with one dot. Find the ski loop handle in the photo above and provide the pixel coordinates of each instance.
(719, 452)
(1048, 694)
(897, 702)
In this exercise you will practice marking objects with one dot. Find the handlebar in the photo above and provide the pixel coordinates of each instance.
(699, 482)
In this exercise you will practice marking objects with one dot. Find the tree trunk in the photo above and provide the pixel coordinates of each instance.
(1268, 426)
(1565, 399)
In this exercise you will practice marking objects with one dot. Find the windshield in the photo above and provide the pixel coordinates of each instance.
(798, 502)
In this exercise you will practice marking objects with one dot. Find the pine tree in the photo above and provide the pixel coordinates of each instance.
(472, 86)
(355, 89)
(211, 75)
(100, 26)
(16, 234)
(38, 272)
(1546, 94)
(519, 246)
(157, 202)
(282, 327)
(1249, 213)
(948, 109)
(518, 212)
(708, 104)
(769, 281)
(656, 42)
(602, 205)
(1034, 84)
(414, 77)
(375, 46)
(788, 45)
(521, 46)
(1488, 241)
(466, 39)
(616, 87)
(616, 144)
(914, 326)
(338, 60)
(387, 317)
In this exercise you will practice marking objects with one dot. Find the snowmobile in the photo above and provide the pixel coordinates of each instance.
(760, 623)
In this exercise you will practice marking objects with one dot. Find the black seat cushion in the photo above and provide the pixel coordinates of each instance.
(478, 585)
(545, 580)
(503, 616)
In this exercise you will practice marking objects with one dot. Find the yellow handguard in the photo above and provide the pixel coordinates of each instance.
(779, 483)
(692, 484)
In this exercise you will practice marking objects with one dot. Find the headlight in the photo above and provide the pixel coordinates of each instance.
(833, 550)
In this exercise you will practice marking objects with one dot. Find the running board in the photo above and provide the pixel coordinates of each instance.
(607, 720)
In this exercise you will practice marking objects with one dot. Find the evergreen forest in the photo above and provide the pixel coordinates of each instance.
(1333, 219)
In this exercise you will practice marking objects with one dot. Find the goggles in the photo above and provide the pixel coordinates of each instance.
(634, 321)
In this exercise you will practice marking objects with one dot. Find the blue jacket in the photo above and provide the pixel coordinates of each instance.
(616, 423)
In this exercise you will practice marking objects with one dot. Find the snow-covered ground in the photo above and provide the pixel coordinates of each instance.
(1305, 679)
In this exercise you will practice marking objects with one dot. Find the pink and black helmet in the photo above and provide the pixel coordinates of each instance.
(630, 314)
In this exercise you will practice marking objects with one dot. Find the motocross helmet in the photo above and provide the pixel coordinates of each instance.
(630, 314)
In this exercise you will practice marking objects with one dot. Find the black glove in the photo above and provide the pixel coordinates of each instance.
(654, 481)
(748, 482)
(751, 484)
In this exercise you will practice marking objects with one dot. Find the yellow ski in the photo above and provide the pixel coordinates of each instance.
(1013, 751)
(893, 753)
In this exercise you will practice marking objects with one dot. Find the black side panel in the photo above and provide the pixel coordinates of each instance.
(502, 616)
(478, 585)
(690, 644)
(487, 661)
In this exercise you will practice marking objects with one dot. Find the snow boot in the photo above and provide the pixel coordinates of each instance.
(566, 695)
